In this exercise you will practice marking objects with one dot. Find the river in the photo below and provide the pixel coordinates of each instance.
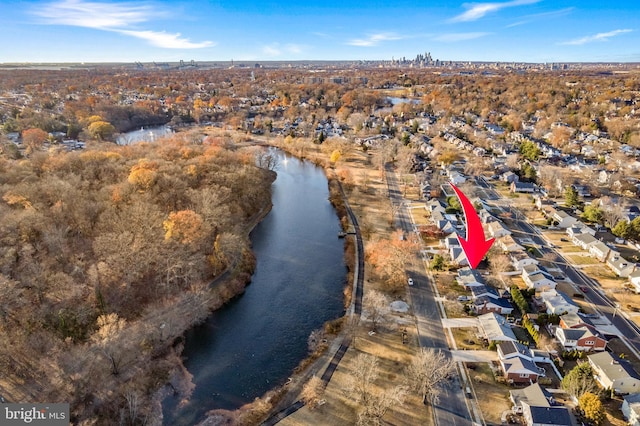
(254, 343)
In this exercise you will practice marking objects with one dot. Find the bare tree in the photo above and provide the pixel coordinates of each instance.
(265, 159)
(359, 384)
(376, 305)
(379, 404)
(428, 372)
(612, 211)
(513, 161)
(110, 326)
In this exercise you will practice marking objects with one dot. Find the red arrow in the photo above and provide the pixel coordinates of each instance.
(474, 246)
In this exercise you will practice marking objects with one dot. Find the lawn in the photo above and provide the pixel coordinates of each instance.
(467, 338)
(493, 397)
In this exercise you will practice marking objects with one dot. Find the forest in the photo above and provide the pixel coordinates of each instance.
(106, 257)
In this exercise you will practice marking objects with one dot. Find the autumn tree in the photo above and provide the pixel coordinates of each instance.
(184, 226)
(312, 392)
(33, 139)
(389, 257)
(101, 130)
(335, 156)
(428, 372)
(144, 174)
(592, 408)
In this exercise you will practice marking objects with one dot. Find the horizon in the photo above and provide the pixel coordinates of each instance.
(522, 31)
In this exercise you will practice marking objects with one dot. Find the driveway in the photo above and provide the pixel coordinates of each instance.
(474, 356)
(460, 322)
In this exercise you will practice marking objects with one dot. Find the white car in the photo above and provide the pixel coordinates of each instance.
(410, 281)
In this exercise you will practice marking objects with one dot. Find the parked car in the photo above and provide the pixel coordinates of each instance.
(410, 281)
(584, 288)
(464, 298)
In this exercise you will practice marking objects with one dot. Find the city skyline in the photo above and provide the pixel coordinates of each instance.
(508, 31)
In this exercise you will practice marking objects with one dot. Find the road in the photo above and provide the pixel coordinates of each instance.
(452, 408)
(629, 331)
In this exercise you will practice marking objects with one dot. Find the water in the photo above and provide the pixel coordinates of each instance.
(396, 100)
(144, 134)
(254, 343)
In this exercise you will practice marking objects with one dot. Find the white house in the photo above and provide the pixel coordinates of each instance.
(495, 328)
(620, 266)
(537, 278)
(634, 280)
(520, 259)
(614, 373)
(497, 229)
(584, 241)
(558, 303)
(600, 251)
(508, 244)
(631, 409)
(564, 219)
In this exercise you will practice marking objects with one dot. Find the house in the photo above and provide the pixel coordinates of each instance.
(520, 259)
(631, 409)
(509, 177)
(533, 395)
(451, 240)
(583, 339)
(485, 304)
(527, 187)
(563, 219)
(546, 416)
(584, 241)
(520, 370)
(614, 373)
(537, 278)
(620, 266)
(497, 229)
(495, 328)
(457, 178)
(483, 290)
(458, 256)
(508, 350)
(558, 303)
(468, 277)
(574, 321)
(508, 244)
(580, 228)
(634, 280)
(600, 251)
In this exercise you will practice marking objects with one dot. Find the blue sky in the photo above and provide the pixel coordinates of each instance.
(258, 30)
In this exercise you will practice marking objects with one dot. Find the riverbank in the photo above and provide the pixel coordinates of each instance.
(365, 188)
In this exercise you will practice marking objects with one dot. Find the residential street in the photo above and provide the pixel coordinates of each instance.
(452, 408)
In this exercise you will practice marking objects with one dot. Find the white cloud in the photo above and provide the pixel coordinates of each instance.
(596, 37)
(275, 49)
(453, 37)
(374, 39)
(476, 11)
(115, 17)
(166, 40)
(546, 15)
